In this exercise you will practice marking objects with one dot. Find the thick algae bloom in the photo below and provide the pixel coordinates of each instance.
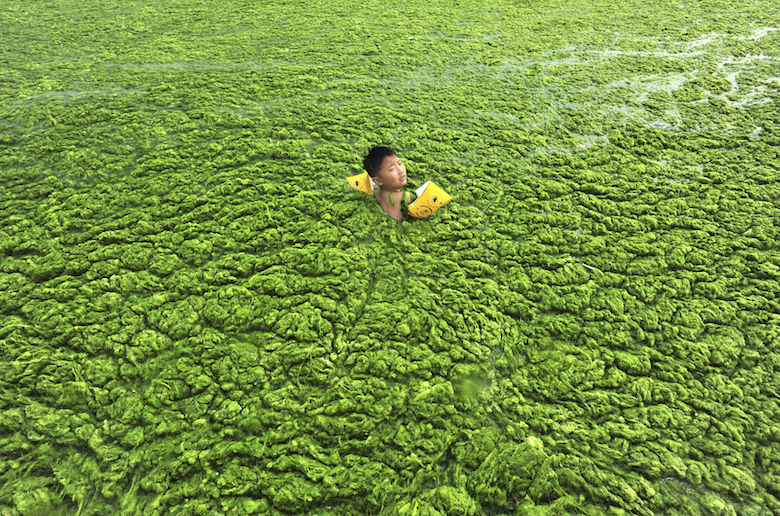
(197, 315)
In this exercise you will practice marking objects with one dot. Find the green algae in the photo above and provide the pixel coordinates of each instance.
(197, 317)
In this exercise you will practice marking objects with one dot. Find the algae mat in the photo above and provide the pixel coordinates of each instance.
(198, 316)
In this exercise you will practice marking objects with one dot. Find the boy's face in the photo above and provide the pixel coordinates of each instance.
(392, 174)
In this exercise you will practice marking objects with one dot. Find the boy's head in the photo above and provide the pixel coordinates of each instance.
(385, 168)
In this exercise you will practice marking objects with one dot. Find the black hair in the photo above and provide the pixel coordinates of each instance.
(373, 160)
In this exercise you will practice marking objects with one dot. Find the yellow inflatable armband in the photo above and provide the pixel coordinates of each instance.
(430, 198)
(361, 182)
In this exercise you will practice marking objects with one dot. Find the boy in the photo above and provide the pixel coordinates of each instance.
(387, 171)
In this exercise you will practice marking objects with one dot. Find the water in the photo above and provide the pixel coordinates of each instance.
(626, 96)
(175, 178)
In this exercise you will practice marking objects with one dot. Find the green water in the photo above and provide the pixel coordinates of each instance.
(198, 316)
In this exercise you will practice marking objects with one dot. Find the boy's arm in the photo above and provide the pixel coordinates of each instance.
(408, 197)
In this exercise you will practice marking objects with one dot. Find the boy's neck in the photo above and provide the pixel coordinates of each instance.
(388, 190)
